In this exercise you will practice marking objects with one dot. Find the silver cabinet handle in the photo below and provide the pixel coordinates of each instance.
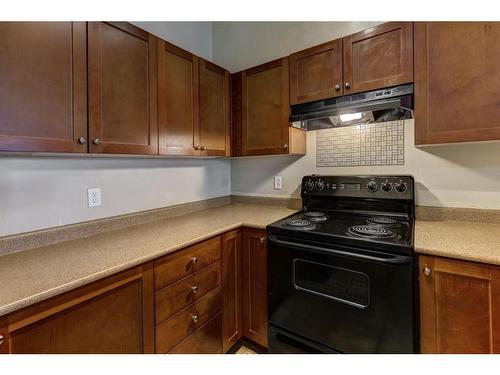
(1, 339)
(262, 239)
(194, 318)
(97, 141)
(82, 140)
(194, 288)
(285, 146)
(427, 271)
(337, 87)
(347, 85)
(203, 148)
(196, 147)
(194, 260)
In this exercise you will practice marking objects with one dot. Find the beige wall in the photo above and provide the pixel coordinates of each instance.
(460, 175)
(240, 45)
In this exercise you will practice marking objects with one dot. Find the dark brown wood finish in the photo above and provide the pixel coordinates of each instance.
(381, 56)
(90, 319)
(43, 89)
(206, 340)
(214, 128)
(232, 289)
(187, 321)
(122, 89)
(265, 108)
(180, 264)
(460, 306)
(236, 125)
(254, 249)
(456, 82)
(177, 296)
(316, 73)
(178, 98)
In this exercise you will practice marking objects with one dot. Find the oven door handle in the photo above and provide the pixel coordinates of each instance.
(396, 259)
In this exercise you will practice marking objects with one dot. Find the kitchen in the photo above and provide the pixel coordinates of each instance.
(222, 187)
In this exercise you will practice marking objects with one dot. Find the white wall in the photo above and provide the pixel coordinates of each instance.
(459, 175)
(195, 37)
(43, 192)
(241, 45)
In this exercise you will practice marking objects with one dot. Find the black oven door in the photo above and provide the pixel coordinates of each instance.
(349, 300)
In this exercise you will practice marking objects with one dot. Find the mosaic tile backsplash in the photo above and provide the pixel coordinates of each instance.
(370, 144)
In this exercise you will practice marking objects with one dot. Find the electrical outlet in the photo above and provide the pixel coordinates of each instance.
(94, 197)
(277, 182)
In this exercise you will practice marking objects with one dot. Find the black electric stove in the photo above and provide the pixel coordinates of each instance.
(342, 272)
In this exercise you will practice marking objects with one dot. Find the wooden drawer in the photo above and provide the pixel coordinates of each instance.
(206, 340)
(185, 262)
(182, 325)
(177, 296)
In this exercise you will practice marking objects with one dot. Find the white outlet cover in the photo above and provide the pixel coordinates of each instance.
(94, 197)
(277, 182)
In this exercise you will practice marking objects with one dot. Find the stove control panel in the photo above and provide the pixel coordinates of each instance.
(390, 187)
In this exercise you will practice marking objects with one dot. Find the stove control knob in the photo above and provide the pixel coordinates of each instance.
(401, 187)
(386, 186)
(320, 185)
(309, 185)
(372, 186)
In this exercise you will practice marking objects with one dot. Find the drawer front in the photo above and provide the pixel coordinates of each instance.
(206, 340)
(187, 321)
(182, 293)
(185, 262)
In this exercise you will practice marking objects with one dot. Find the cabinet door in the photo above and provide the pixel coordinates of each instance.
(381, 56)
(232, 314)
(255, 285)
(114, 315)
(316, 73)
(214, 133)
(456, 82)
(43, 86)
(178, 92)
(265, 108)
(122, 89)
(236, 126)
(460, 306)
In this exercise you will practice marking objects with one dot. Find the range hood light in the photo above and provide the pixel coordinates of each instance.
(350, 116)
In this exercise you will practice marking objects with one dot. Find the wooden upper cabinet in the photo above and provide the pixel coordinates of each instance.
(316, 73)
(379, 57)
(43, 86)
(178, 96)
(122, 89)
(460, 306)
(265, 108)
(214, 136)
(456, 82)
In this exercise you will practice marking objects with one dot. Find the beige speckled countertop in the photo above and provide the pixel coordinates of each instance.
(34, 275)
(478, 242)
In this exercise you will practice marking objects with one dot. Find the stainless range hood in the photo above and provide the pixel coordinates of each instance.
(390, 104)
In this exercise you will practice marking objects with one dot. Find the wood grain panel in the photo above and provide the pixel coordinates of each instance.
(122, 89)
(265, 108)
(183, 324)
(379, 57)
(315, 73)
(180, 264)
(232, 289)
(255, 318)
(456, 82)
(177, 296)
(43, 89)
(206, 340)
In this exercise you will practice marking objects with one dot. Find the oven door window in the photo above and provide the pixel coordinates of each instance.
(342, 285)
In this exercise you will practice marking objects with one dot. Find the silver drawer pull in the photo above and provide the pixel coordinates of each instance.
(427, 271)
(194, 260)
(1, 339)
(262, 239)
(194, 288)
(194, 318)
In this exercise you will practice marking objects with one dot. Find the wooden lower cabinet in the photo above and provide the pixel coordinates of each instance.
(113, 315)
(232, 288)
(255, 318)
(206, 340)
(459, 305)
